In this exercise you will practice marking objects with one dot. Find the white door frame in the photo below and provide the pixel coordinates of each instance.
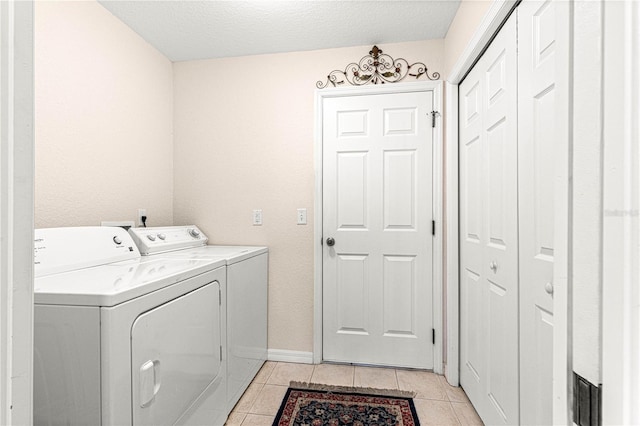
(16, 211)
(320, 95)
(491, 23)
(621, 222)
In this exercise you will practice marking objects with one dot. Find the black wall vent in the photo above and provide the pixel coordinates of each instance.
(587, 399)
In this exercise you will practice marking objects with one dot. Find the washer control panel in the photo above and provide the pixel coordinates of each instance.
(167, 238)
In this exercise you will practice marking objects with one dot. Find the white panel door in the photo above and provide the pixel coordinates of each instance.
(377, 207)
(489, 231)
(536, 115)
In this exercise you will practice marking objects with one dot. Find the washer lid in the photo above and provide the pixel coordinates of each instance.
(231, 254)
(109, 285)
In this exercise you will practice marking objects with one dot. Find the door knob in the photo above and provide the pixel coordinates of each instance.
(548, 287)
(330, 242)
(493, 266)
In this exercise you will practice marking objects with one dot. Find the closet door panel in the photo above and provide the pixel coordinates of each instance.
(536, 110)
(500, 254)
(472, 294)
(488, 200)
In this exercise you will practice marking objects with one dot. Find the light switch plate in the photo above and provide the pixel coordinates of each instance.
(302, 216)
(257, 217)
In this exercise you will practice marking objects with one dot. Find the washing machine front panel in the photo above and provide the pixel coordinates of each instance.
(176, 353)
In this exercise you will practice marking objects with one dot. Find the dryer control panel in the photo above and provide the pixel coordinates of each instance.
(59, 250)
(167, 238)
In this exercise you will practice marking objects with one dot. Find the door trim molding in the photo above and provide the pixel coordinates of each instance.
(437, 167)
(452, 266)
(621, 222)
(16, 211)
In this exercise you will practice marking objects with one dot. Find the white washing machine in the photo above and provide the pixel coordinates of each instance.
(247, 276)
(125, 340)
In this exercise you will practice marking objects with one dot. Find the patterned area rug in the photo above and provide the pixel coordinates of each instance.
(319, 405)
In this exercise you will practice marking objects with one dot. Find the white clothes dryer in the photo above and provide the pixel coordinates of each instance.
(125, 340)
(247, 278)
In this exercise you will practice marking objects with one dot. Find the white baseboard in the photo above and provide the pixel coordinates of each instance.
(284, 355)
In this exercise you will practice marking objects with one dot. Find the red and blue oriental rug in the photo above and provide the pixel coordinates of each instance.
(319, 405)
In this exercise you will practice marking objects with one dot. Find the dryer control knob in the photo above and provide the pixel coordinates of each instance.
(151, 237)
(117, 240)
(194, 233)
(162, 236)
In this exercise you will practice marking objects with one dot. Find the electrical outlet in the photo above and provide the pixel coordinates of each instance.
(141, 212)
(302, 216)
(257, 217)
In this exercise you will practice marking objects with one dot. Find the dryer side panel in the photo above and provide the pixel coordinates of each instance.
(66, 386)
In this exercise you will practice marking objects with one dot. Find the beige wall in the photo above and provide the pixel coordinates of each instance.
(244, 140)
(464, 24)
(103, 119)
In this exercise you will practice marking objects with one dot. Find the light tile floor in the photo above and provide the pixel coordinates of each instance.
(436, 402)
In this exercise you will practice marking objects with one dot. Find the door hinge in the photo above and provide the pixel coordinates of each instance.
(433, 118)
(219, 296)
(220, 353)
(433, 336)
(433, 227)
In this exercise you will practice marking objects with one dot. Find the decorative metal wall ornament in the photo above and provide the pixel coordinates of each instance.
(377, 68)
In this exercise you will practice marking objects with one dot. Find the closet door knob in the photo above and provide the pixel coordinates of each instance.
(548, 287)
(330, 242)
(493, 266)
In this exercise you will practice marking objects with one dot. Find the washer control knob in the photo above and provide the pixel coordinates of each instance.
(117, 240)
(151, 237)
(162, 236)
(194, 233)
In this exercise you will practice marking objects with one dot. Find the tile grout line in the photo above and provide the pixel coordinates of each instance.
(454, 413)
(395, 374)
(275, 364)
(262, 385)
(353, 376)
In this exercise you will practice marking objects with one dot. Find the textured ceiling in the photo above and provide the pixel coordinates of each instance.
(187, 30)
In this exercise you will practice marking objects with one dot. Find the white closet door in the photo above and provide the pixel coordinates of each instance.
(536, 112)
(489, 231)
